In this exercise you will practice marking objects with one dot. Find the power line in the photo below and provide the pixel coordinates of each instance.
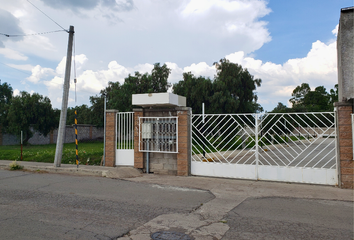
(14, 68)
(30, 34)
(48, 17)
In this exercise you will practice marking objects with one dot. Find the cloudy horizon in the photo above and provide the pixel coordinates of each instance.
(117, 38)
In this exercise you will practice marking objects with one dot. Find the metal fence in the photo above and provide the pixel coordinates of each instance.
(158, 134)
(271, 146)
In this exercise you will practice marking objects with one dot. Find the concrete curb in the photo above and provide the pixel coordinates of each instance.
(82, 170)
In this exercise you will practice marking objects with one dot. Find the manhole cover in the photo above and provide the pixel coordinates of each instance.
(165, 235)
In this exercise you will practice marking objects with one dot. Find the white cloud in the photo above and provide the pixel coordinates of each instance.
(12, 54)
(318, 68)
(201, 69)
(16, 92)
(335, 30)
(39, 73)
(26, 67)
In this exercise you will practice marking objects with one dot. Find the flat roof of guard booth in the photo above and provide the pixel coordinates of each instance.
(158, 100)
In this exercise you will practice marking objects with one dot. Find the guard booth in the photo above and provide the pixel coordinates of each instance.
(155, 138)
(162, 134)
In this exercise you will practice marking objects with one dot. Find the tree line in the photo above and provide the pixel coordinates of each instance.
(231, 91)
(304, 100)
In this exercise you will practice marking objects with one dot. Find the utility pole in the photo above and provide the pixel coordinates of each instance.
(104, 124)
(64, 102)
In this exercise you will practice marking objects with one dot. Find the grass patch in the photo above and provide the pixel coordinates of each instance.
(89, 153)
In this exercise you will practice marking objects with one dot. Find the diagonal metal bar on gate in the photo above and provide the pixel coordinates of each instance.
(292, 133)
(243, 156)
(280, 137)
(240, 151)
(303, 128)
(315, 148)
(277, 148)
(212, 130)
(269, 120)
(314, 130)
(274, 153)
(195, 119)
(227, 135)
(265, 159)
(208, 147)
(331, 142)
(221, 134)
(296, 130)
(334, 165)
(246, 124)
(209, 118)
(325, 164)
(236, 142)
(286, 143)
(322, 114)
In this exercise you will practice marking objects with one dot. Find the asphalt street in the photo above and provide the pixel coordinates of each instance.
(290, 218)
(52, 206)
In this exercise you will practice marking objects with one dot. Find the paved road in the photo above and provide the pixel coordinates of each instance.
(290, 218)
(51, 206)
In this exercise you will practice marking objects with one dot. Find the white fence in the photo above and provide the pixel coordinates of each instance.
(292, 147)
(125, 139)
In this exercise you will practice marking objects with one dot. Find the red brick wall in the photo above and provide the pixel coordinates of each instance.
(138, 156)
(183, 156)
(110, 148)
(345, 145)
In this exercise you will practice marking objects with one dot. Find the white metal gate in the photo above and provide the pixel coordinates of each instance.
(291, 147)
(125, 139)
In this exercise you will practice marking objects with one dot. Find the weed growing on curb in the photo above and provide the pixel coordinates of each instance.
(15, 166)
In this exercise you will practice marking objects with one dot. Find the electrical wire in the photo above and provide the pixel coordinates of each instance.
(14, 68)
(49, 17)
(30, 34)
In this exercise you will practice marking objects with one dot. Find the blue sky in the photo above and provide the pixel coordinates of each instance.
(285, 43)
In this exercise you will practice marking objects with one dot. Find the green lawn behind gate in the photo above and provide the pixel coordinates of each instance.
(236, 143)
(89, 153)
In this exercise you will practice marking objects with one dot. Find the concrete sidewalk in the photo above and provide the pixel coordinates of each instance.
(85, 170)
(206, 222)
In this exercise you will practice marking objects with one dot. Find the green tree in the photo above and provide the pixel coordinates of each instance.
(196, 90)
(97, 110)
(280, 108)
(5, 100)
(84, 115)
(31, 111)
(299, 94)
(319, 100)
(234, 89)
(231, 91)
(119, 96)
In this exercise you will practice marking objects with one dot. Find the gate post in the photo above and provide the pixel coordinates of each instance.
(138, 156)
(111, 138)
(345, 161)
(184, 141)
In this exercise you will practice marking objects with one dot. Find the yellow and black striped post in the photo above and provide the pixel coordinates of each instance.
(77, 148)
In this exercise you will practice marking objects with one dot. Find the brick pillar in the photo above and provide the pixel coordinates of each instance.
(0, 135)
(184, 141)
(111, 132)
(138, 156)
(345, 145)
(51, 136)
